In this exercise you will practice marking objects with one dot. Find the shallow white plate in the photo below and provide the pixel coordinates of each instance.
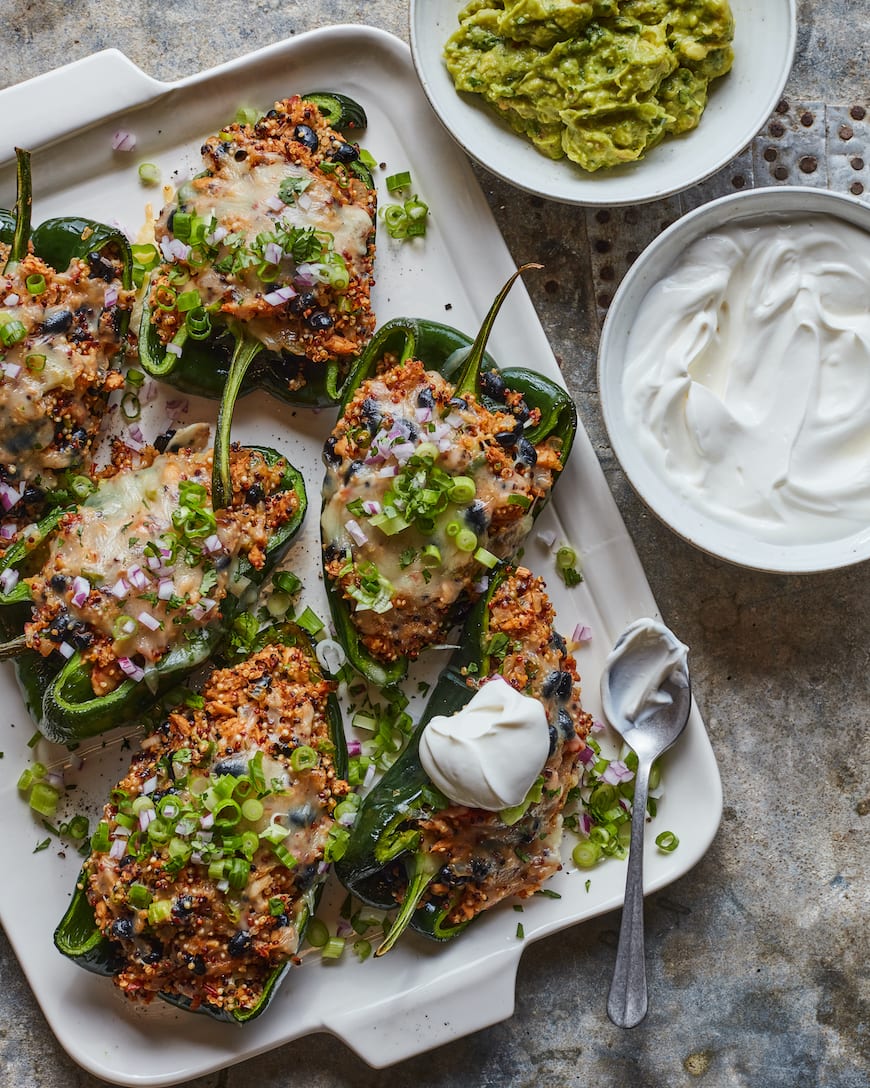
(728, 541)
(420, 995)
(739, 105)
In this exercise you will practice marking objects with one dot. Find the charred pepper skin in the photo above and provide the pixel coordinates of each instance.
(436, 344)
(204, 366)
(61, 698)
(77, 936)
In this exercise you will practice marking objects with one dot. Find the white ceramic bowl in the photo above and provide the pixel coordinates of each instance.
(738, 107)
(717, 537)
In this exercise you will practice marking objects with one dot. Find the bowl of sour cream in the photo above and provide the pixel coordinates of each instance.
(734, 372)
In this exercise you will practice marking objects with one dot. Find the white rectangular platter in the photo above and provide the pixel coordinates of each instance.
(420, 995)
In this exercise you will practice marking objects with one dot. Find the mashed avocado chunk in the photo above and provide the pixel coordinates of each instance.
(599, 81)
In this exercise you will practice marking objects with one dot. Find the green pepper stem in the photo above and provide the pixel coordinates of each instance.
(423, 870)
(244, 353)
(13, 648)
(23, 205)
(469, 375)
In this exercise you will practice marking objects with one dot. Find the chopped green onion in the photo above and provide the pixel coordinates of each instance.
(81, 487)
(585, 855)
(165, 296)
(367, 159)
(44, 799)
(227, 813)
(198, 323)
(466, 541)
(453, 528)
(131, 409)
(520, 931)
(276, 906)
(35, 283)
(188, 300)
(247, 115)
(317, 934)
(309, 621)
(138, 896)
(100, 838)
(303, 758)
(462, 490)
(430, 556)
(522, 501)
(284, 856)
(77, 828)
(25, 781)
(181, 224)
(362, 949)
(398, 181)
(252, 809)
(486, 558)
(35, 363)
(11, 331)
(287, 582)
(333, 948)
(149, 173)
(159, 911)
(568, 566)
(667, 841)
(237, 872)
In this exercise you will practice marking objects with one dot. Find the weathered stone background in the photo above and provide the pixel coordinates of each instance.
(757, 957)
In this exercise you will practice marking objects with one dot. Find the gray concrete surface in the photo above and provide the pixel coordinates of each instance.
(757, 957)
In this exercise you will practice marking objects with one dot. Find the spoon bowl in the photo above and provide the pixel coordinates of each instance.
(647, 698)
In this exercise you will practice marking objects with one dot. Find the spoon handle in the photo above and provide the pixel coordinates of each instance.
(627, 1001)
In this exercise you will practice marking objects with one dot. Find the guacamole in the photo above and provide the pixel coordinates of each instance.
(600, 81)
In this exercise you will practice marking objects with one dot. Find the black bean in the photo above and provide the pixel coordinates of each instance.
(236, 765)
(352, 469)
(458, 402)
(183, 905)
(329, 454)
(301, 816)
(558, 643)
(58, 582)
(122, 928)
(345, 153)
(152, 952)
(79, 637)
(254, 494)
(239, 944)
(163, 440)
(507, 439)
(480, 868)
(306, 136)
(566, 724)
(331, 553)
(32, 494)
(371, 413)
(302, 302)
(240, 155)
(319, 320)
(100, 267)
(553, 738)
(59, 321)
(195, 963)
(526, 452)
(426, 398)
(476, 516)
(406, 429)
(492, 384)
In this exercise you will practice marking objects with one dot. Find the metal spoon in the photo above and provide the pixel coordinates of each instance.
(647, 697)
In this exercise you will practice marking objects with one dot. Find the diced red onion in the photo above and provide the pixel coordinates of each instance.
(585, 822)
(582, 633)
(9, 495)
(547, 537)
(137, 577)
(303, 279)
(55, 778)
(354, 748)
(223, 885)
(202, 609)
(587, 756)
(165, 589)
(122, 140)
(482, 584)
(371, 507)
(8, 530)
(402, 451)
(331, 655)
(147, 620)
(185, 827)
(596, 727)
(219, 233)
(424, 415)
(275, 204)
(149, 786)
(356, 532)
(444, 445)
(206, 821)
(136, 433)
(280, 296)
(387, 471)
(120, 589)
(369, 776)
(66, 650)
(11, 370)
(212, 544)
(111, 296)
(272, 253)
(146, 815)
(121, 832)
(131, 669)
(8, 580)
(118, 849)
(81, 588)
(174, 349)
(11, 299)
(454, 420)
(304, 201)
(616, 772)
(154, 562)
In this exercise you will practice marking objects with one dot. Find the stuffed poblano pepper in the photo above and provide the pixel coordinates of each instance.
(131, 590)
(209, 859)
(266, 259)
(66, 298)
(471, 812)
(435, 471)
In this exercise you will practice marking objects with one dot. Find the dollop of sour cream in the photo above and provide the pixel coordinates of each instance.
(645, 656)
(747, 378)
(488, 754)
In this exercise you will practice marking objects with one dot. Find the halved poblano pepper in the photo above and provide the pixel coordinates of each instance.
(264, 261)
(435, 471)
(125, 594)
(444, 863)
(211, 854)
(66, 290)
